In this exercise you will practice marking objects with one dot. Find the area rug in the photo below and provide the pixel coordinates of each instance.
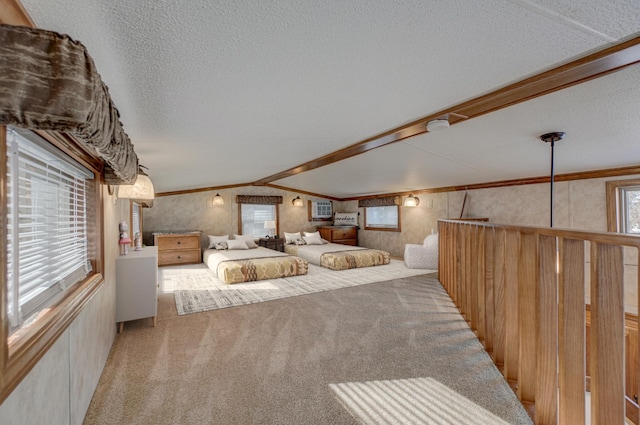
(197, 289)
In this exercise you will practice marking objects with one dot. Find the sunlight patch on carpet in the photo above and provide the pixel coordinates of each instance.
(410, 401)
(197, 289)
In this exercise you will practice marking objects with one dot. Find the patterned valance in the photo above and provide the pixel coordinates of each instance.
(49, 82)
(380, 202)
(257, 199)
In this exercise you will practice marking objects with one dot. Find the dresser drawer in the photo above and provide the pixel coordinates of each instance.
(346, 233)
(168, 242)
(184, 256)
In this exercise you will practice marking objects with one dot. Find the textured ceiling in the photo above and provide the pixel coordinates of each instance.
(216, 94)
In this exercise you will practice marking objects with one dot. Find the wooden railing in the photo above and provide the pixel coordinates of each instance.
(522, 290)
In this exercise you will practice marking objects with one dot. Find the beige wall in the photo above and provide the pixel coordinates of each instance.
(59, 388)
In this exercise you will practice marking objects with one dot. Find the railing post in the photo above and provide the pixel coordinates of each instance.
(511, 305)
(499, 321)
(571, 332)
(547, 332)
(527, 283)
(607, 335)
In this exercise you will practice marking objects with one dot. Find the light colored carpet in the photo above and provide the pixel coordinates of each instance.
(371, 354)
(197, 289)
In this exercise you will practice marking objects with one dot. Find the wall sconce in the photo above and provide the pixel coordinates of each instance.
(297, 202)
(142, 190)
(217, 200)
(411, 201)
(270, 225)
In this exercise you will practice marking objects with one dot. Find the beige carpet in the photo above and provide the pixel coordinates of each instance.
(391, 352)
(196, 288)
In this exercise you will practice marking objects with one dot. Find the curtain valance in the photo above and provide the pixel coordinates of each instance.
(380, 202)
(258, 199)
(49, 82)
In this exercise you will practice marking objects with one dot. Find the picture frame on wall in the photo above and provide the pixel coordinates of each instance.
(320, 210)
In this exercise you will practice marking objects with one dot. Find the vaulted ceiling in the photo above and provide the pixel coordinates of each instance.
(218, 93)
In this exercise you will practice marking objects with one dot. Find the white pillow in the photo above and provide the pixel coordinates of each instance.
(248, 240)
(312, 240)
(299, 241)
(312, 234)
(213, 240)
(237, 244)
(291, 237)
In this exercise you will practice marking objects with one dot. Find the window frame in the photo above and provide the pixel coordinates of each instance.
(20, 352)
(384, 229)
(614, 202)
(277, 219)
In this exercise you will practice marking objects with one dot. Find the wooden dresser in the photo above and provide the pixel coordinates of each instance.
(346, 235)
(177, 248)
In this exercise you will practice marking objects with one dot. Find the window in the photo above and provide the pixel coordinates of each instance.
(51, 229)
(253, 216)
(382, 218)
(623, 206)
(630, 210)
(136, 219)
(47, 244)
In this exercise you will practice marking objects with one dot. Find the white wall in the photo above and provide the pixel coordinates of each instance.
(59, 388)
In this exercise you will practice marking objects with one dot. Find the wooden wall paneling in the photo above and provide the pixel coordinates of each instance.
(474, 301)
(511, 361)
(571, 341)
(462, 272)
(607, 335)
(631, 370)
(499, 300)
(481, 279)
(546, 332)
(527, 283)
(489, 262)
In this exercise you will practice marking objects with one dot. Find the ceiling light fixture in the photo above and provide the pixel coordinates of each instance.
(437, 125)
(218, 200)
(297, 202)
(411, 201)
(552, 138)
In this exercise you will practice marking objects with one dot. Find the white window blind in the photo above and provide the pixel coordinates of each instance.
(254, 216)
(47, 246)
(382, 217)
(136, 217)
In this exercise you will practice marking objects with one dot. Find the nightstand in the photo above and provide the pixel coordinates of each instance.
(276, 244)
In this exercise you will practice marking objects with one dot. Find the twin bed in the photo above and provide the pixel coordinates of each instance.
(247, 265)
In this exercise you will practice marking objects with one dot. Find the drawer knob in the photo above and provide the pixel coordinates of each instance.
(179, 257)
(179, 242)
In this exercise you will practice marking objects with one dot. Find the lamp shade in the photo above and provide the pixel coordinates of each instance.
(411, 201)
(218, 200)
(270, 224)
(297, 202)
(142, 189)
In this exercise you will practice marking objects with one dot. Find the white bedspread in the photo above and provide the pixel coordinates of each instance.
(312, 253)
(213, 257)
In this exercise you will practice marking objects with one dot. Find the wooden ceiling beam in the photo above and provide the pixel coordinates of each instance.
(578, 71)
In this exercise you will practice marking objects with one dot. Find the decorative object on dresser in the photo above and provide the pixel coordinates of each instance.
(137, 286)
(346, 235)
(276, 244)
(178, 247)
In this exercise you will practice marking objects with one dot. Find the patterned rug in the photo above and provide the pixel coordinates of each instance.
(197, 289)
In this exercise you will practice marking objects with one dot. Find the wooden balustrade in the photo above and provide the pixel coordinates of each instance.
(523, 292)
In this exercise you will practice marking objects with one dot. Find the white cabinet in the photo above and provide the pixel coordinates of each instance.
(137, 285)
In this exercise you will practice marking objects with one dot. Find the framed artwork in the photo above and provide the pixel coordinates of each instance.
(320, 210)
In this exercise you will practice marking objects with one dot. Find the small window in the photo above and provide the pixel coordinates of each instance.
(253, 216)
(382, 218)
(630, 210)
(136, 220)
(623, 206)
